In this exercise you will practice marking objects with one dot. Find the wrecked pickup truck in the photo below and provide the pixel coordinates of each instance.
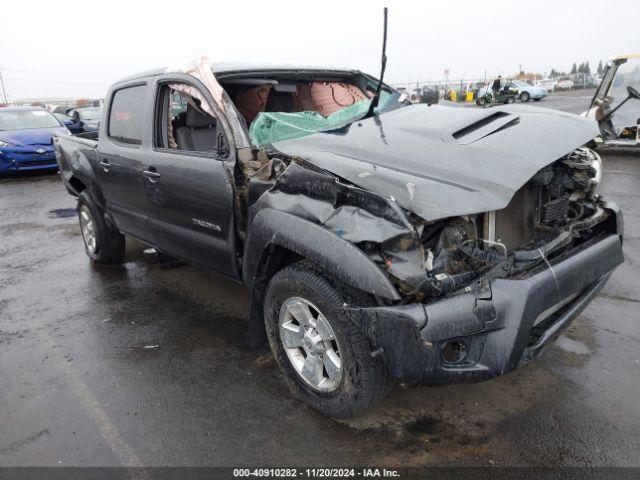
(378, 242)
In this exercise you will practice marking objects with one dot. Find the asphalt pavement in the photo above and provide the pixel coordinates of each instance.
(141, 365)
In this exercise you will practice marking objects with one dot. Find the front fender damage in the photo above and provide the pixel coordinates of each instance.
(375, 224)
(385, 244)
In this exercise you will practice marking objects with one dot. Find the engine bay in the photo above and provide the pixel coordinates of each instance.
(558, 209)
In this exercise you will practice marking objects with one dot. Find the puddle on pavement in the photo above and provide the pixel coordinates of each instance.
(17, 227)
(578, 343)
(425, 425)
(572, 346)
(62, 213)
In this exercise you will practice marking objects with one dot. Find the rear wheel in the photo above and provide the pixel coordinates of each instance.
(102, 243)
(525, 97)
(510, 99)
(326, 358)
(481, 102)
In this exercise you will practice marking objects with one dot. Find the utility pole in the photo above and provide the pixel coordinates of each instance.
(4, 92)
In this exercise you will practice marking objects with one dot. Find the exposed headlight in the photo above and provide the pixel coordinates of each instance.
(4, 144)
(596, 164)
(586, 166)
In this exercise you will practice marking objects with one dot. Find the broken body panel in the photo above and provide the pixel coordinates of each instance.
(477, 245)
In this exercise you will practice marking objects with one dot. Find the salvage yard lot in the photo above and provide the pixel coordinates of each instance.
(146, 364)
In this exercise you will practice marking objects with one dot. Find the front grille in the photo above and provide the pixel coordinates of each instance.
(555, 209)
(37, 163)
(29, 154)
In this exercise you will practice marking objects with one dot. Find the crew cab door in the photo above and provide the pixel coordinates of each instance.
(120, 160)
(189, 183)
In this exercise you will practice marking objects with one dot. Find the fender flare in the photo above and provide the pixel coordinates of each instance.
(79, 166)
(313, 242)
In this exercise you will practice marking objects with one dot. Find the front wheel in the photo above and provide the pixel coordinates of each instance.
(481, 102)
(102, 243)
(325, 357)
(525, 97)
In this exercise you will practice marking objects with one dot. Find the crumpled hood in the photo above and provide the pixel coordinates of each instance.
(442, 161)
(36, 136)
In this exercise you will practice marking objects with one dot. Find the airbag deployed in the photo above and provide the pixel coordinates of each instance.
(269, 127)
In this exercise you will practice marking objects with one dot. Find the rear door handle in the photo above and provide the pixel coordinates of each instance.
(151, 173)
(105, 165)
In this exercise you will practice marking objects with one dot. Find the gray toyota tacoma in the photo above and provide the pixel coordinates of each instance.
(379, 240)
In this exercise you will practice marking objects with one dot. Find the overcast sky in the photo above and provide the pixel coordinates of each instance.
(76, 49)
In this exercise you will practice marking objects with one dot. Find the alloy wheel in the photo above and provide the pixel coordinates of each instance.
(310, 344)
(88, 229)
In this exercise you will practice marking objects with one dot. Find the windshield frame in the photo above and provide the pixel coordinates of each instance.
(610, 70)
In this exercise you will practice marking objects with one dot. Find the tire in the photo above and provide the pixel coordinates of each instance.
(108, 244)
(525, 97)
(537, 99)
(481, 102)
(363, 380)
(510, 100)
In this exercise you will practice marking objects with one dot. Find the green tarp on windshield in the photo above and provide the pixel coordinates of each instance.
(270, 127)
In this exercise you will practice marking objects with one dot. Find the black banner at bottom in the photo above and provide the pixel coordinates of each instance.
(202, 473)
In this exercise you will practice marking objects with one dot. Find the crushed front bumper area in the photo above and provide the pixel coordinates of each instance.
(493, 328)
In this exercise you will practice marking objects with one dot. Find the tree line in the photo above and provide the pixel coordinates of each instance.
(575, 68)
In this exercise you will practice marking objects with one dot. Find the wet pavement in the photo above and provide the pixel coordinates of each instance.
(145, 365)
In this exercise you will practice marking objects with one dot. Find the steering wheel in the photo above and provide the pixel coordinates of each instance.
(633, 93)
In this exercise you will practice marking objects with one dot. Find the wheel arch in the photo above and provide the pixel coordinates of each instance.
(76, 185)
(277, 239)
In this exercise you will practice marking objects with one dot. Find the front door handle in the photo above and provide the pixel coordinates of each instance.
(151, 173)
(105, 165)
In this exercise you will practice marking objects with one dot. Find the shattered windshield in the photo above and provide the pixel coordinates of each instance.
(627, 74)
(270, 127)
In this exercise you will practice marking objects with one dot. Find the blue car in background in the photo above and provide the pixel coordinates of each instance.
(68, 122)
(26, 139)
(529, 92)
(86, 118)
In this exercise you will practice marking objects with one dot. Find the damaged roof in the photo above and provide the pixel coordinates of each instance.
(224, 68)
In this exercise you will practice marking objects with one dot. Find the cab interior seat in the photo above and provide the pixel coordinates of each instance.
(198, 133)
(280, 102)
